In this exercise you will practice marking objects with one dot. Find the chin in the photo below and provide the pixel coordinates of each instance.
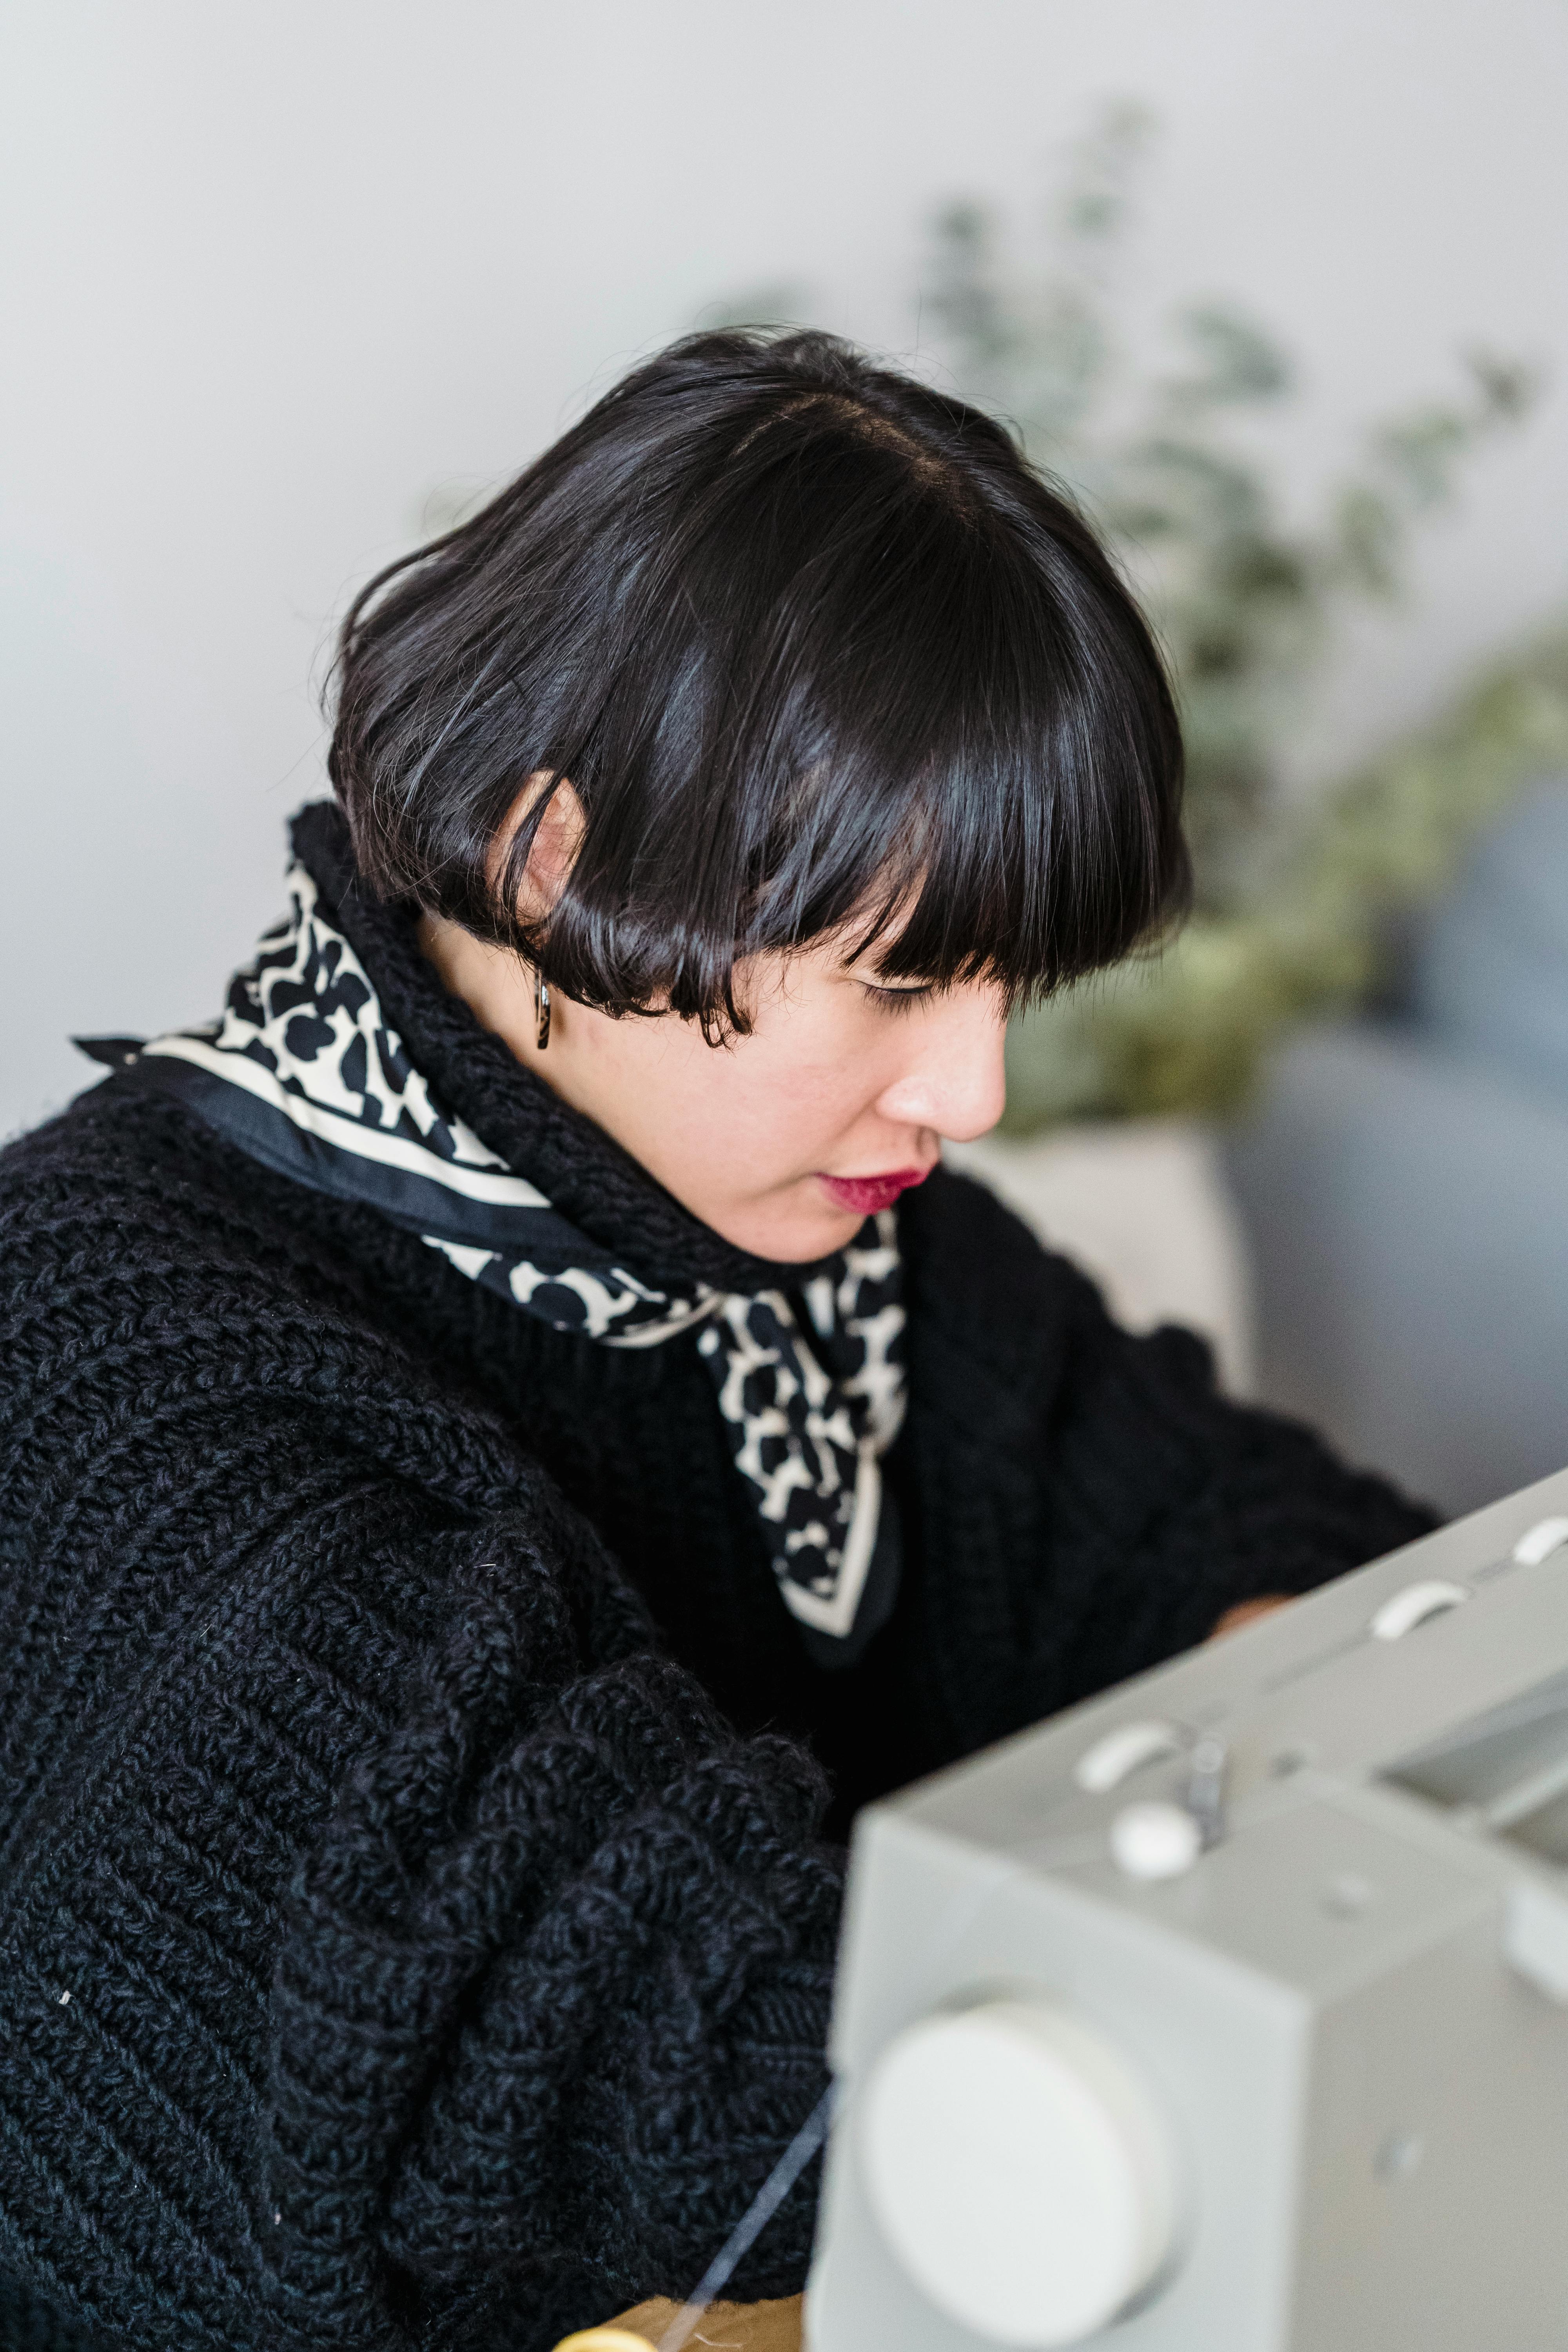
(789, 1240)
(802, 1251)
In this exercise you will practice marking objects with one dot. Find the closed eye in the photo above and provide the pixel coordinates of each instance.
(899, 999)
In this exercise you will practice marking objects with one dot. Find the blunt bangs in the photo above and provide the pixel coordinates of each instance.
(818, 652)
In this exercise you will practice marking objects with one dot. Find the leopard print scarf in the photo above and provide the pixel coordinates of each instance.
(304, 1074)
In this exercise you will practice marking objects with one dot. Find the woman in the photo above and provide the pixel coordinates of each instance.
(510, 1436)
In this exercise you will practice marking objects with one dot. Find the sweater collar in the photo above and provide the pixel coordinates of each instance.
(340, 1062)
(606, 1193)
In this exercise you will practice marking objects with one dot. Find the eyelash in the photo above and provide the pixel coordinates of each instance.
(899, 999)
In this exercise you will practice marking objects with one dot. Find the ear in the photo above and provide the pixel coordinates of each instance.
(553, 851)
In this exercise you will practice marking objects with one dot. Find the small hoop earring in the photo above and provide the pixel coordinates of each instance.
(541, 1009)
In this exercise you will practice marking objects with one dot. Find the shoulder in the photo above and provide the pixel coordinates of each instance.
(957, 1234)
(126, 1214)
(1014, 1336)
(159, 1288)
(116, 1222)
(980, 1280)
(129, 1192)
(128, 1170)
(1036, 1339)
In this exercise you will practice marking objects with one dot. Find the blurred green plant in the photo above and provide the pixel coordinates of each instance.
(1185, 1030)
(1292, 889)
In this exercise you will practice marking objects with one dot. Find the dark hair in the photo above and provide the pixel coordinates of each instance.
(815, 646)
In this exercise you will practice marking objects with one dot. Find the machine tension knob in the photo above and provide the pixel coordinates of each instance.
(1019, 2170)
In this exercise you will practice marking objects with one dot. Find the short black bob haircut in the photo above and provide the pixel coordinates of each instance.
(819, 652)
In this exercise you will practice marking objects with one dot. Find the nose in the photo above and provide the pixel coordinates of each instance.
(956, 1078)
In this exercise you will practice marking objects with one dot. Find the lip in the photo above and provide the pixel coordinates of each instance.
(866, 1194)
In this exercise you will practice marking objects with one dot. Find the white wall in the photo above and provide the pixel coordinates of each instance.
(274, 270)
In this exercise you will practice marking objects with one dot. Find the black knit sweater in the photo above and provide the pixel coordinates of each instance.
(417, 1923)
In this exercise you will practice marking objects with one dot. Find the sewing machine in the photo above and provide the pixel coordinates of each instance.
(1229, 2012)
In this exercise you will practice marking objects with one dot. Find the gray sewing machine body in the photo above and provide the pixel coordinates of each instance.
(1301, 2051)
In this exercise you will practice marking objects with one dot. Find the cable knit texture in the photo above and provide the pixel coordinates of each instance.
(416, 1904)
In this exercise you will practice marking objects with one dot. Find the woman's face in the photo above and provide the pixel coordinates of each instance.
(782, 1140)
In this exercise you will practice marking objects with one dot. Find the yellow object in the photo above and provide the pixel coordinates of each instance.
(602, 2339)
(722, 2327)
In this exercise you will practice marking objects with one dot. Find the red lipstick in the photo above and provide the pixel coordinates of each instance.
(866, 1194)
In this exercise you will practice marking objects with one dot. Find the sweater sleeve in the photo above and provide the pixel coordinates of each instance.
(1217, 1502)
(396, 1949)
(553, 1991)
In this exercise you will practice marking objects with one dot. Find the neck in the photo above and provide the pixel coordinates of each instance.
(497, 986)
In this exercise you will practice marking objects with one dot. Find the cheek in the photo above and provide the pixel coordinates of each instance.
(778, 1109)
(759, 1113)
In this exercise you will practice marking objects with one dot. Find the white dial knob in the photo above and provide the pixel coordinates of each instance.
(1018, 2169)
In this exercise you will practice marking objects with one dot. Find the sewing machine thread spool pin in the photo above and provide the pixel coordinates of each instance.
(1209, 1767)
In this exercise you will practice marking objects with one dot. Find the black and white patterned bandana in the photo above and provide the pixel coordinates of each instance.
(304, 1074)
